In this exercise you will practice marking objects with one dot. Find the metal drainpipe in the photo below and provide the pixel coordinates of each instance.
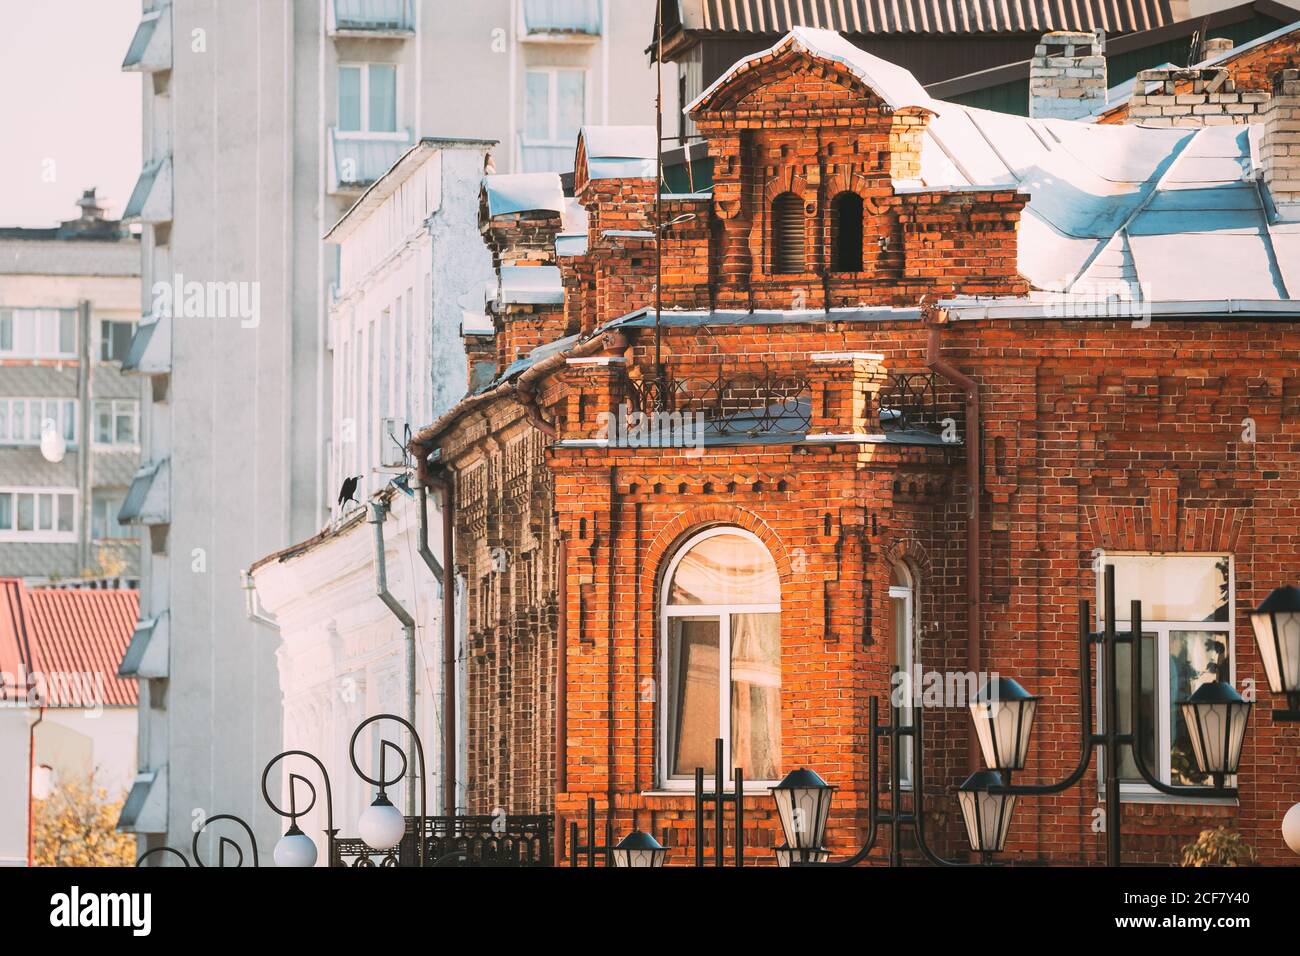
(935, 361)
(31, 780)
(425, 553)
(250, 603)
(376, 518)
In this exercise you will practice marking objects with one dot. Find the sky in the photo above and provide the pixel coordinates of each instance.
(69, 117)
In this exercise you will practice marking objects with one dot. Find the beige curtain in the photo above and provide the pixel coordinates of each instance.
(756, 694)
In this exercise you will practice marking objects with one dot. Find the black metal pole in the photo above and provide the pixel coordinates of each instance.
(895, 791)
(1111, 717)
(717, 804)
(740, 816)
(699, 816)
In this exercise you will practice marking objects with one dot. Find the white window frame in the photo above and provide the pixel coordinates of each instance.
(102, 339)
(398, 133)
(27, 336)
(723, 613)
(905, 658)
(116, 407)
(38, 535)
(1163, 771)
(553, 104)
(67, 409)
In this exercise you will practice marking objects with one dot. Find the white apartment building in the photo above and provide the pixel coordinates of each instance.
(264, 122)
(405, 249)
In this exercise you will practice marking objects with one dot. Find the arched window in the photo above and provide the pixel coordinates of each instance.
(788, 235)
(721, 637)
(846, 233)
(902, 596)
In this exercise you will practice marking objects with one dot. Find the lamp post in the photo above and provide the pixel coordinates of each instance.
(1276, 623)
(295, 848)
(223, 845)
(639, 850)
(803, 804)
(381, 825)
(1216, 719)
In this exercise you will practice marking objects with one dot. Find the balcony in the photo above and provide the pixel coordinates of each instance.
(371, 19)
(836, 398)
(561, 21)
(358, 160)
(151, 199)
(151, 46)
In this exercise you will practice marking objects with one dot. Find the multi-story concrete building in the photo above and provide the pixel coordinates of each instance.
(263, 124)
(69, 421)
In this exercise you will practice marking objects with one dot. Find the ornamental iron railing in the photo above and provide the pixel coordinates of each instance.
(460, 841)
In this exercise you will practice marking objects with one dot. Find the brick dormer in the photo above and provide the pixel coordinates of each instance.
(817, 153)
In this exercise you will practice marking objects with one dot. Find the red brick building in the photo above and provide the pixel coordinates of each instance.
(928, 365)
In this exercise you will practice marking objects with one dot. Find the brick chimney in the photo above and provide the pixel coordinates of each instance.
(1067, 75)
(1191, 97)
(1215, 46)
(1279, 151)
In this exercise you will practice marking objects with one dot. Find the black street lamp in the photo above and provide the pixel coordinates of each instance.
(1216, 717)
(639, 850)
(803, 804)
(986, 810)
(1216, 723)
(295, 848)
(381, 825)
(1276, 623)
(1004, 716)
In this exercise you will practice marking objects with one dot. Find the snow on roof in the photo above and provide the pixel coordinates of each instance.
(619, 152)
(1172, 213)
(531, 285)
(523, 192)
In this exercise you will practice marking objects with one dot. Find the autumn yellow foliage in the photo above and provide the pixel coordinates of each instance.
(75, 826)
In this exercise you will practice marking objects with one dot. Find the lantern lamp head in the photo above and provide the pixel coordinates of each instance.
(1004, 716)
(803, 803)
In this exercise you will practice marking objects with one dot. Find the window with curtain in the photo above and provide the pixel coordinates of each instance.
(901, 603)
(788, 241)
(846, 233)
(721, 658)
(1187, 617)
(367, 98)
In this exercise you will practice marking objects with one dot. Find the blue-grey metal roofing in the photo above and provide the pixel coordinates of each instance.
(523, 192)
(619, 152)
(1181, 212)
(524, 363)
(531, 285)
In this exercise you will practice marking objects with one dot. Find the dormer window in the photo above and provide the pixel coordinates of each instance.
(788, 242)
(846, 233)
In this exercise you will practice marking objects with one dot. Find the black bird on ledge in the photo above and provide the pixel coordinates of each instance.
(349, 490)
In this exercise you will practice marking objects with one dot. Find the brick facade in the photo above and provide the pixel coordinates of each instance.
(1095, 434)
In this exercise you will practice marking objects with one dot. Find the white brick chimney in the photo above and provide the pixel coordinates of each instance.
(1279, 150)
(1175, 96)
(1215, 46)
(1067, 75)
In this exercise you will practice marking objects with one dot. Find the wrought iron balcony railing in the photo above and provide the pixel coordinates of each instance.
(460, 841)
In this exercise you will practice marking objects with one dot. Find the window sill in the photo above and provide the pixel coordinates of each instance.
(1156, 799)
(751, 790)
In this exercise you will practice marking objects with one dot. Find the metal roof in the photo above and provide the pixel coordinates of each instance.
(523, 192)
(531, 285)
(619, 152)
(1172, 214)
(919, 16)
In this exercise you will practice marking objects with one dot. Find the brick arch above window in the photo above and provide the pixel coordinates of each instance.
(909, 552)
(702, 517)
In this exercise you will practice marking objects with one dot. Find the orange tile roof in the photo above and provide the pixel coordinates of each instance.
(70, 636)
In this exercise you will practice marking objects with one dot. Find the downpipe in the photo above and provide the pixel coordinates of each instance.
(935, 361)
(376, 518)
(251, 604)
